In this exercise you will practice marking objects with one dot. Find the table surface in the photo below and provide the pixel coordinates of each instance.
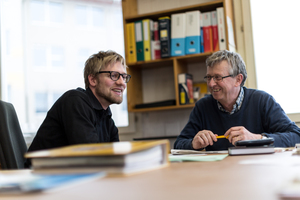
(226, 179)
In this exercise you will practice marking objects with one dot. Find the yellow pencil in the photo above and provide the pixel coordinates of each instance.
(222, 136)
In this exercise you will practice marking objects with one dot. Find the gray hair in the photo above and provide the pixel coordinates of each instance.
(100, 60)
(234, 60)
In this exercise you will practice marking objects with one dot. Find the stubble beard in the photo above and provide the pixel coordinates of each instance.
(110, 98)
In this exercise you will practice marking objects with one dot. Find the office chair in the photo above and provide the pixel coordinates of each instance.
(12, 143)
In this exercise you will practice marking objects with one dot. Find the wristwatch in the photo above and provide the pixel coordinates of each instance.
(263, 136)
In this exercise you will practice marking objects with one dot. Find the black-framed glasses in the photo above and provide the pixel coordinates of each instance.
(216, 78)
(116, 75)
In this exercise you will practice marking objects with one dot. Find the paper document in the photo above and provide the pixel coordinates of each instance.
(184, 151)
(291, 161)
(199, 158)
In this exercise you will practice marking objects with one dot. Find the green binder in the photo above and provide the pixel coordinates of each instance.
(139, 40)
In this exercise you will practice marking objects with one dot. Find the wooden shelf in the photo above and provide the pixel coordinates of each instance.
(193, 58)
(175, 107)
(151, 63)
(204, 7)
(147, 73)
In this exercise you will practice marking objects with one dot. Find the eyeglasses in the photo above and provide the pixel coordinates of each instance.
(116, 75)
(216, 78)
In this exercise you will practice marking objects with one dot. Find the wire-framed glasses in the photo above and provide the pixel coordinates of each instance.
(216, 78)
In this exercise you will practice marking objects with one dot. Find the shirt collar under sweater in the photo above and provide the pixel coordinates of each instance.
(236, 106)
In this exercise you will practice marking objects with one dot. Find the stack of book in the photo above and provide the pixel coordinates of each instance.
(113, 158)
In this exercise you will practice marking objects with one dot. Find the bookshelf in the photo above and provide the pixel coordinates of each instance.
(174, 65)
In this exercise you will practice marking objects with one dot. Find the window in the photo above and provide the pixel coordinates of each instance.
(43, 52)
(98, 17)
(82, 55)
(57, 56)
(8, 43)
(41, 102)
(55, 12)
(37, 11)
(39, 58)
(81, 15)
(42, 11)
(55, 96)
(94, 16)
(276, 50)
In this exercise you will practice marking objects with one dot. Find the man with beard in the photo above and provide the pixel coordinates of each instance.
(232, 110)
(83, 116)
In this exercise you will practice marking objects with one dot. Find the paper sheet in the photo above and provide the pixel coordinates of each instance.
(198, 158)
(184, 151)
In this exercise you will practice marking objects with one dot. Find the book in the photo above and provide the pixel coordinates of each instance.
(192, 39)
(178, 34)
(131, 46)
(185, 88)
(11, 183)
(165, 37)
(201, 34)
(139, 40)
(221, 28)
(155, 42)
(207, 32)
(147, 38)
(114, 158)
(202, 88)
(215, 35)
(250, 150)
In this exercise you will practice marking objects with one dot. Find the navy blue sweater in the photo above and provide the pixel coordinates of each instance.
(259, 113)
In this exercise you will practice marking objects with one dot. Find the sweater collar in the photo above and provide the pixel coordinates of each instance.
(95, 103)
(236, 106)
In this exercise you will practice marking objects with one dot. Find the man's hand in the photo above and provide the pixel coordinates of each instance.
(203, 138)
(238, 133)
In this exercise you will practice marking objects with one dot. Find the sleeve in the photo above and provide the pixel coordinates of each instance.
(79, 121)
(184, 140)
(278, 125)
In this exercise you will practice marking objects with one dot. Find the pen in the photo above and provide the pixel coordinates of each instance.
(222, 136)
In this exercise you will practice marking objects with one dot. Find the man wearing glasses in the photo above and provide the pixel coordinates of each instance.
(83, 116)
(234, 111)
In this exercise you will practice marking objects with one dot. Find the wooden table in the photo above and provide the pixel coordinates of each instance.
(226, 179)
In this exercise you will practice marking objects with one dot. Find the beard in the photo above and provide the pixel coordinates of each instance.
(109, 97)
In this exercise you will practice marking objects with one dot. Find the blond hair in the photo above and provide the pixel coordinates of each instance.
(100, 60)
